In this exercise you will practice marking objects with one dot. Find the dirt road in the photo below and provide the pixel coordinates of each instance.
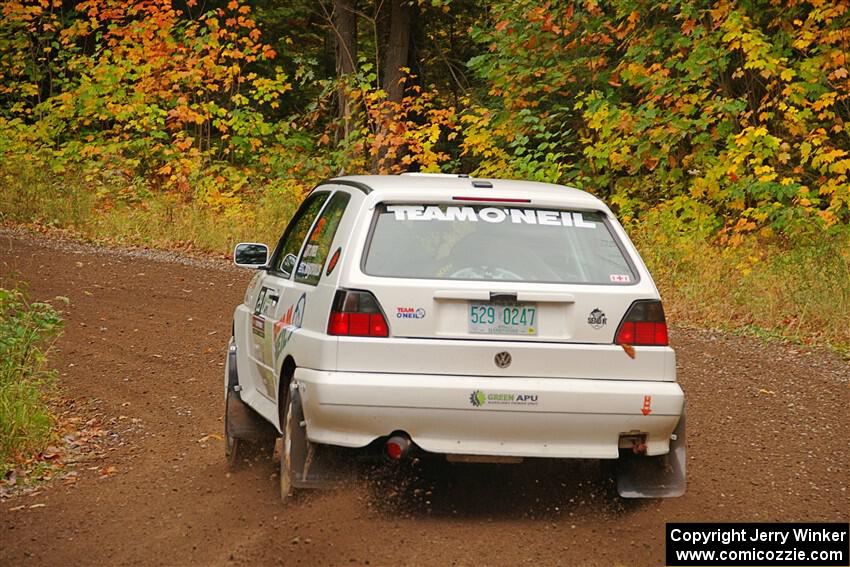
(768, 441)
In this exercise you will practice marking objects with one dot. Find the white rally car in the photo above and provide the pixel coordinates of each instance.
(479, 320)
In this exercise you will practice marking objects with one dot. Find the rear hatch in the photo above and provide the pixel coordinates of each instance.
(466, 280)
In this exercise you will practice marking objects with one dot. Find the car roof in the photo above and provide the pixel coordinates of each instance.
(439, 185)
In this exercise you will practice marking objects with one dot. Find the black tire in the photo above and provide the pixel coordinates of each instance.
(241, 452)
(231, 443)
(237, 451)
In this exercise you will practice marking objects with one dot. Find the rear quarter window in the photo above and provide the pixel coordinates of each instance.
(318, 245)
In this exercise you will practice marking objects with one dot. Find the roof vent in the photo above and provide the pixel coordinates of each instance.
(482, 184)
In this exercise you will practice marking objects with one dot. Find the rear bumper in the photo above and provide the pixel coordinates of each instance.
(528, 417)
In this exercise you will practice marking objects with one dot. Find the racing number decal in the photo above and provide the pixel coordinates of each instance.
(265, 306)
(261, 297)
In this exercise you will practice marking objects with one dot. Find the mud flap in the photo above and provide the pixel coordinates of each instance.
(655, 477)
(242, 421)
(313, 465)
(245, 423)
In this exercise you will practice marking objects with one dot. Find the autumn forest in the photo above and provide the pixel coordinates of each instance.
(718, 131)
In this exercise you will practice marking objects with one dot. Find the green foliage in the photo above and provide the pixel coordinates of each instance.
(27, 332)
(742, 107)
(161, 98)
(720, 128)
(798, 288)
(33, 193)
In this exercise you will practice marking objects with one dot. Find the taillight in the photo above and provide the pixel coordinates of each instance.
(357, 314)
(643, 325)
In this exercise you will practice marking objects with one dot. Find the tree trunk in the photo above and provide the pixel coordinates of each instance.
(345, 32)
(397, 49)
(395, 56)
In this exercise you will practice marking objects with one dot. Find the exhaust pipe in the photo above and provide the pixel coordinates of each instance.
(397, 447)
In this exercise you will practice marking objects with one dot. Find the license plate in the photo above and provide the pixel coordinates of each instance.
(503, 318)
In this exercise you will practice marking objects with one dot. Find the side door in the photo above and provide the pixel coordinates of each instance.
(271, 299)
(305, 305)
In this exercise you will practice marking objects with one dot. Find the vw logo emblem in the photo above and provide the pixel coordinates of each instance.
(503, 359)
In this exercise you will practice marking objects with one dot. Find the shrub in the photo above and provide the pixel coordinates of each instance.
(793, 287)
(27, 333)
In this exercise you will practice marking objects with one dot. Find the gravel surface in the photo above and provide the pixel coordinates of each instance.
(56, 241)
(146, 334)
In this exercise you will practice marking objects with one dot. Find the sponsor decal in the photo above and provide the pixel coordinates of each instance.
(489, 214)
(620, 278)
(479, 398)
(288, 324)
(410, 313)
(308, 269)
(311, 250)
(597, 319)
(258, 326)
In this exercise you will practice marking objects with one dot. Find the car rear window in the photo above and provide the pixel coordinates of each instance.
(478, 242)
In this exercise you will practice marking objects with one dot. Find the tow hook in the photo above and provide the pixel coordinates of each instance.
(639, 445)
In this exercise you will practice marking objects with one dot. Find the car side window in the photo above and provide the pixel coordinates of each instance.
(319, 244)
(296, 232)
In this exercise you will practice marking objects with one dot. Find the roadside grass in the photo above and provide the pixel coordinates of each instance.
(32, 192)
(796, 289)
(27, 334)
(113, 209)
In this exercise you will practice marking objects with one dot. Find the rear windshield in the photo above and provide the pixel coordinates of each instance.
(479, 242)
